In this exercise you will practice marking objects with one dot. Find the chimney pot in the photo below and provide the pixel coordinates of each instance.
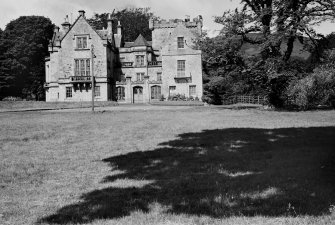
(82, 13)
(119, 28)
(66, 25)
(109, 24)
(56, 30)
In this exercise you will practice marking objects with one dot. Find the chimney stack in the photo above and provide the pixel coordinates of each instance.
(109, 24)
(66, 25)
(56, 29)
(119, 28)
(82, 13)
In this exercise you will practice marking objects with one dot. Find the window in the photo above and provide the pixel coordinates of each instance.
(88, 67)
(139, 76)
(172, 90)
(192, 90)
(181, 68)
(97, 91)
(123, 77)
(159, 76)
(82, 42)
(120, 93)
(140, 60)
(82, 67)
(180, 41)
(68, 92)
(155, 92)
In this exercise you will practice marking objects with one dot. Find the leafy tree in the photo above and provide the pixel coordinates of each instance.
(220, 55)
(134, 21)
(24, 45)
(277, 20)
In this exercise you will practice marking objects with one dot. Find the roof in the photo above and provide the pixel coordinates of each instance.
(59, 36)
(132, 44)
(102, 33)
(140, 41)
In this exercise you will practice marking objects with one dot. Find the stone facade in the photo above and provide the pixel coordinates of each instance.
(130, 72)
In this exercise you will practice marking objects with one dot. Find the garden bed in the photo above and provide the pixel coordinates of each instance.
(178, 103)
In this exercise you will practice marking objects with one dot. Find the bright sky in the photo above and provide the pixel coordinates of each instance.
(56, 10)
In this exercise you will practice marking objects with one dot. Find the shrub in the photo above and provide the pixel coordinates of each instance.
(318, 88)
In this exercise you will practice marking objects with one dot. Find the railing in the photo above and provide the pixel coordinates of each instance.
(138, 82)
(155, 64)
(81, 79)
(127, 64)
(249, 99)
(183, 78)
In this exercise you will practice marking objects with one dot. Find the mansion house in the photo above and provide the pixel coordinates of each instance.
(131, 72)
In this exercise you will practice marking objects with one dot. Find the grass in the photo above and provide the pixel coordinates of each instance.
(190, 165)
(31, 105)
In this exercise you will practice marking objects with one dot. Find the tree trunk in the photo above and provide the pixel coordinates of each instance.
(289, 49)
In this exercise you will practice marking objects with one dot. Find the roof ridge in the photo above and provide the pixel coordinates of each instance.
(72, 25)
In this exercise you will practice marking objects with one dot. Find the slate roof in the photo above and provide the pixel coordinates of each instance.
(140, 41)
(134, 44)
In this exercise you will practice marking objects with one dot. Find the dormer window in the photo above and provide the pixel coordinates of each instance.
(81, 42)
(181, 42)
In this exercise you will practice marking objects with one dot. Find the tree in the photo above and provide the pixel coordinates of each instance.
(134, 21)
(277, 21)
(24, 45)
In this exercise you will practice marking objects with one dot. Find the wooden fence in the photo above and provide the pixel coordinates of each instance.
(248, 99)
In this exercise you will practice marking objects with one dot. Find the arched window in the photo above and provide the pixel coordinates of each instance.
(155, 92)
(120, 93)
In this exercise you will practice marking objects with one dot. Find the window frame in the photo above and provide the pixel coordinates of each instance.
(139, 59)
(97, 91)
(120, 93)
(180, 42)
(181, 68)
(192, 90)
(68, 92)
(140, 76)
(82, 67)
(156, 92)
(159, 76)
(81, 42)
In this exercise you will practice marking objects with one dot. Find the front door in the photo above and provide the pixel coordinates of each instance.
(138, 95)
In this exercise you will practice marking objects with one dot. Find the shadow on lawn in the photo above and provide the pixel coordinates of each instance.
(219, 173)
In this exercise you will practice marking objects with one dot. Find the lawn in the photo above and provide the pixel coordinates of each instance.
(165, 165)
(33, 105)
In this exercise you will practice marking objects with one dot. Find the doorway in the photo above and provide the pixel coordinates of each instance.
(138, 94)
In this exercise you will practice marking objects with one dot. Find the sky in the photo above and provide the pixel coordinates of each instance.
(56, 10)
